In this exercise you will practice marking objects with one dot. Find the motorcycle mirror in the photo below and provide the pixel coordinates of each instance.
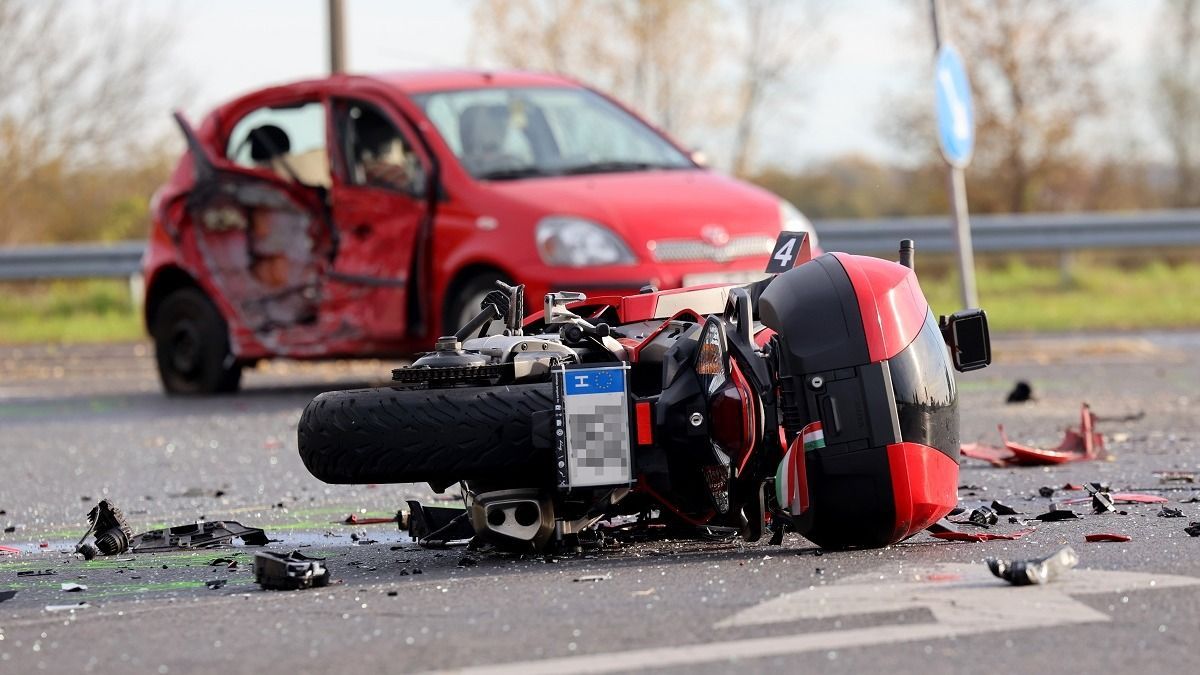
(966, 333)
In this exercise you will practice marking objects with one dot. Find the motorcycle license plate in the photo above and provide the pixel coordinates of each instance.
(592, 426)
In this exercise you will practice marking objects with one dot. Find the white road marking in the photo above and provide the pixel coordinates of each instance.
(964, 600)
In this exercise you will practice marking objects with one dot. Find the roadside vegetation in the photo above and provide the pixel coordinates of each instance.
(1018, 296)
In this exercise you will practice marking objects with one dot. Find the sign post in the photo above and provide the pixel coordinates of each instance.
(956, 135)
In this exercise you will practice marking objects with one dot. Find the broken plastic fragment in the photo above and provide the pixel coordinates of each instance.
(1193, 530)
(1168, 512)
(594, 577)
(1021, 392)
(1107, 536)
(1101, 501)
(7, 595)
(197, 535)
(9, 550)
(215, 584)
(1055, 515)
(67, 608)
(289, 572)
(73, 588)
(1038, 571)
(1077, 445)
(1003, 509)
(942, 532)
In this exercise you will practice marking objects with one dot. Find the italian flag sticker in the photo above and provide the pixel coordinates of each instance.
(813, 436)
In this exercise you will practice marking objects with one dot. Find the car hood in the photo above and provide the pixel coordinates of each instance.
(646, 206)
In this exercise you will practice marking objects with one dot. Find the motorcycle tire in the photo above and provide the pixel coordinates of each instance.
(439, 436)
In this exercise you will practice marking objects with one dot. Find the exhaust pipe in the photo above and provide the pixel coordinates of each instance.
(511, 516)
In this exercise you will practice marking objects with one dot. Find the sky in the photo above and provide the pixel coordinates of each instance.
(833, 107)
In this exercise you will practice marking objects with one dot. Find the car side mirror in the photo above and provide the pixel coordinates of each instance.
(966, 333)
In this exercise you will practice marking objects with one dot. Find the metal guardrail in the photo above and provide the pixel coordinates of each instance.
(1054, 232)
(71, 261)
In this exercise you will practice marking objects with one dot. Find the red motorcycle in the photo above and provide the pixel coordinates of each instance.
(819, 400)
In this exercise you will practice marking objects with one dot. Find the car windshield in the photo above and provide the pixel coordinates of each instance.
(513, 133)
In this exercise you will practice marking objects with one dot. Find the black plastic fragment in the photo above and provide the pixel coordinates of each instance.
(1193, 529)
(1036, 571)
(1055, 515)
(35, 573)
(434, 526)
(1168, 512)
(289, 572)
(1003, 509)
(197, 535)
(1046, 491)
(1021, 392)
(7, 595)
(108, 529)
(1101, 499)
(214, 584)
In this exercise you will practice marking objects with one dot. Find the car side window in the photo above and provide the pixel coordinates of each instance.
(287, 140)
(377, 153)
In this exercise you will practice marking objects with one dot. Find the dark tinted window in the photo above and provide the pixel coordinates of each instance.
(926, 397)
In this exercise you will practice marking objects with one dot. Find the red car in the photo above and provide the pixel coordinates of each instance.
(359, 216)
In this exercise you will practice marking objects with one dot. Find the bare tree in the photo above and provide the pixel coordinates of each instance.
(80, 85)
(1177, 87)
(1035, 69)
(776, 34)
(658, 55)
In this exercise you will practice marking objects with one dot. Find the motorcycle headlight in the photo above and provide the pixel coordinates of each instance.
(791, 220)
(566, 241)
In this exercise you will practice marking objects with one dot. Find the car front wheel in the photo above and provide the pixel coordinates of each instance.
(191, 346)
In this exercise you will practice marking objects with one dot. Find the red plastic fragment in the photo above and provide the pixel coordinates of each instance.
(353, 519)
(1086, 443)
(9, 550)
(1107, 536)
(951, 535)
(1137, 498)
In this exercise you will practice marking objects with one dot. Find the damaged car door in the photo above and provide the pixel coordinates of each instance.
(381, 210)
(261, 224)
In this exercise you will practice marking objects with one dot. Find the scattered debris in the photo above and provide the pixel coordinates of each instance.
(649, 591)
(1176, 476)
(35, 573)
(983, 517)
(10, 529)
(216, 584)
(9, 550)
(1168, 512)
(1107, 536)
(290, 572)
(942, 532)
(68, 608)
(594, 577)
(1038, 571)
(1101, 501)
(197, 535)
(437, 526)
(1193, 529)
(108, 529)
(1055, 515)
(1084, 444)
(73, 588)
(1003, 509)
(467, 561)
(1046, 491)
(1020, 393)
(1136, 498)
(7, 595)
(1190, 500)
(229, 563)
(353, 519)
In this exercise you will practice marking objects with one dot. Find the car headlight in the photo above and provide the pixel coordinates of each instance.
(791, 220)
(566, 241)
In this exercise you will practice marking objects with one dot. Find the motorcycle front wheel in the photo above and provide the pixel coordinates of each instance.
(439, 436)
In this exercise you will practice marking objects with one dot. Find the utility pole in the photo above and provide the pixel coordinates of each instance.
(956, 131)
(337, 37)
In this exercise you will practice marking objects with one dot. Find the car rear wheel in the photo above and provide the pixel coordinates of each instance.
(463, 303)
(191, 346)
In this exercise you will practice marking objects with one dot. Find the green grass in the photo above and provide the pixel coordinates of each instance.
(1019, 297)
(68, 312)
(1016, 295)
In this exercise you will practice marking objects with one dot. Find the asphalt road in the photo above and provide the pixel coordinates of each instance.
(80, 424)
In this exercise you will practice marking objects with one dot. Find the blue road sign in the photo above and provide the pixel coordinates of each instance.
(955, 111)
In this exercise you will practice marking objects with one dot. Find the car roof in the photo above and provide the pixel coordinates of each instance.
(419, 82)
